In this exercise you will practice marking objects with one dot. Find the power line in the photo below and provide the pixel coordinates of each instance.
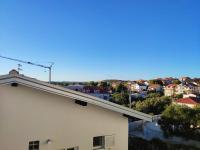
(31, 63)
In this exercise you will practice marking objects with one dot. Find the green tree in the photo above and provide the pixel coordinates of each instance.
(136, 143)
(180, 121)
(121, 88)
(176, 81)
(177, 96)
(156, 81)
(92, 83)
(154, 95)
(120, 98)
(154, 105)
(197, 115)
(104, 84)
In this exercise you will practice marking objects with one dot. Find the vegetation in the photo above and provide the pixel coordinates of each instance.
(176, 82)
(120, 95)
(177, 96)
(60, 83)
(156, 144)
(104, 84)
(120, 98)
(121, 88)
(176, 120)
(153, 105)
(154, 95)
(181, 121)
(156, 82)
(92, 83)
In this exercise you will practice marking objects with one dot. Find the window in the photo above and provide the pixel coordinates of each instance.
(103, 142)
(109, 141)
(74, 148)
(34, 145)
(98, 142)
(105, 97)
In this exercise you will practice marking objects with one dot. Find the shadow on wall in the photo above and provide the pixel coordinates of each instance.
(136, 143)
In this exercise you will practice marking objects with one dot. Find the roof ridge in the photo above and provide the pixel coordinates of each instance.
(21, 78)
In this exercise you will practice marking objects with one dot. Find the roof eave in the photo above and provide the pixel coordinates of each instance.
(36, 84)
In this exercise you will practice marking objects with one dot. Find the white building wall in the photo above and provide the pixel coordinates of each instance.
(28, 115)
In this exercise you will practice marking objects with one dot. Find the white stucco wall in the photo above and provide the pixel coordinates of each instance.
(27, 115)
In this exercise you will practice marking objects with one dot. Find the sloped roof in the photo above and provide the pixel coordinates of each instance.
(43, 86)
(171, 86)
(155, 86)
(190, 100)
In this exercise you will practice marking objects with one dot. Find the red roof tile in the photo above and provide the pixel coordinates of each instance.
(154, 86)
(190, 100)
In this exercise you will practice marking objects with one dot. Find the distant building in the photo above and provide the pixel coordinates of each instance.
(190, 102)
(91, 90)
(131, 85)
(114, 84)
(146, 83)
(142, 94)
(187, 88)
(170, 90)
(97, 92)
(155, 87)
(185, 79)
(183, 88)
(167, 81)
(139, 87)
(76, 87)
(190, 95)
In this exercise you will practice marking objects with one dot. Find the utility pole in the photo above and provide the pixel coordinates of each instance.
(130, 101)
(31, 63)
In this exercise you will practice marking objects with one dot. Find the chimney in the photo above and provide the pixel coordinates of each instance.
(13, 72)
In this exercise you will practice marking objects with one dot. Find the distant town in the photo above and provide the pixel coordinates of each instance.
(174, 103)
(100, 75)
(183, 87)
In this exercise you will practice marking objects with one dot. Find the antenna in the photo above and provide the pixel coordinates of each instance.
(31, 63)
(19, 67)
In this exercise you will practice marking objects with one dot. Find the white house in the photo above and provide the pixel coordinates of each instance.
(187, 88)
(190, 95)
(170, 90)
(155, 87)
(142, 94)
(140, 87)
(35, 115)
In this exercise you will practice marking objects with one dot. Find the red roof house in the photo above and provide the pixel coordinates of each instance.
(190, 101)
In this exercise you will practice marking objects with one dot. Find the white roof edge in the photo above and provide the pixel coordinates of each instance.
(34, 83)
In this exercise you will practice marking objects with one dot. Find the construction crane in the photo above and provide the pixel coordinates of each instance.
(31, 63)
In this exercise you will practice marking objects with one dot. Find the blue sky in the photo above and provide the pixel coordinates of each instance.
(102, 39)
